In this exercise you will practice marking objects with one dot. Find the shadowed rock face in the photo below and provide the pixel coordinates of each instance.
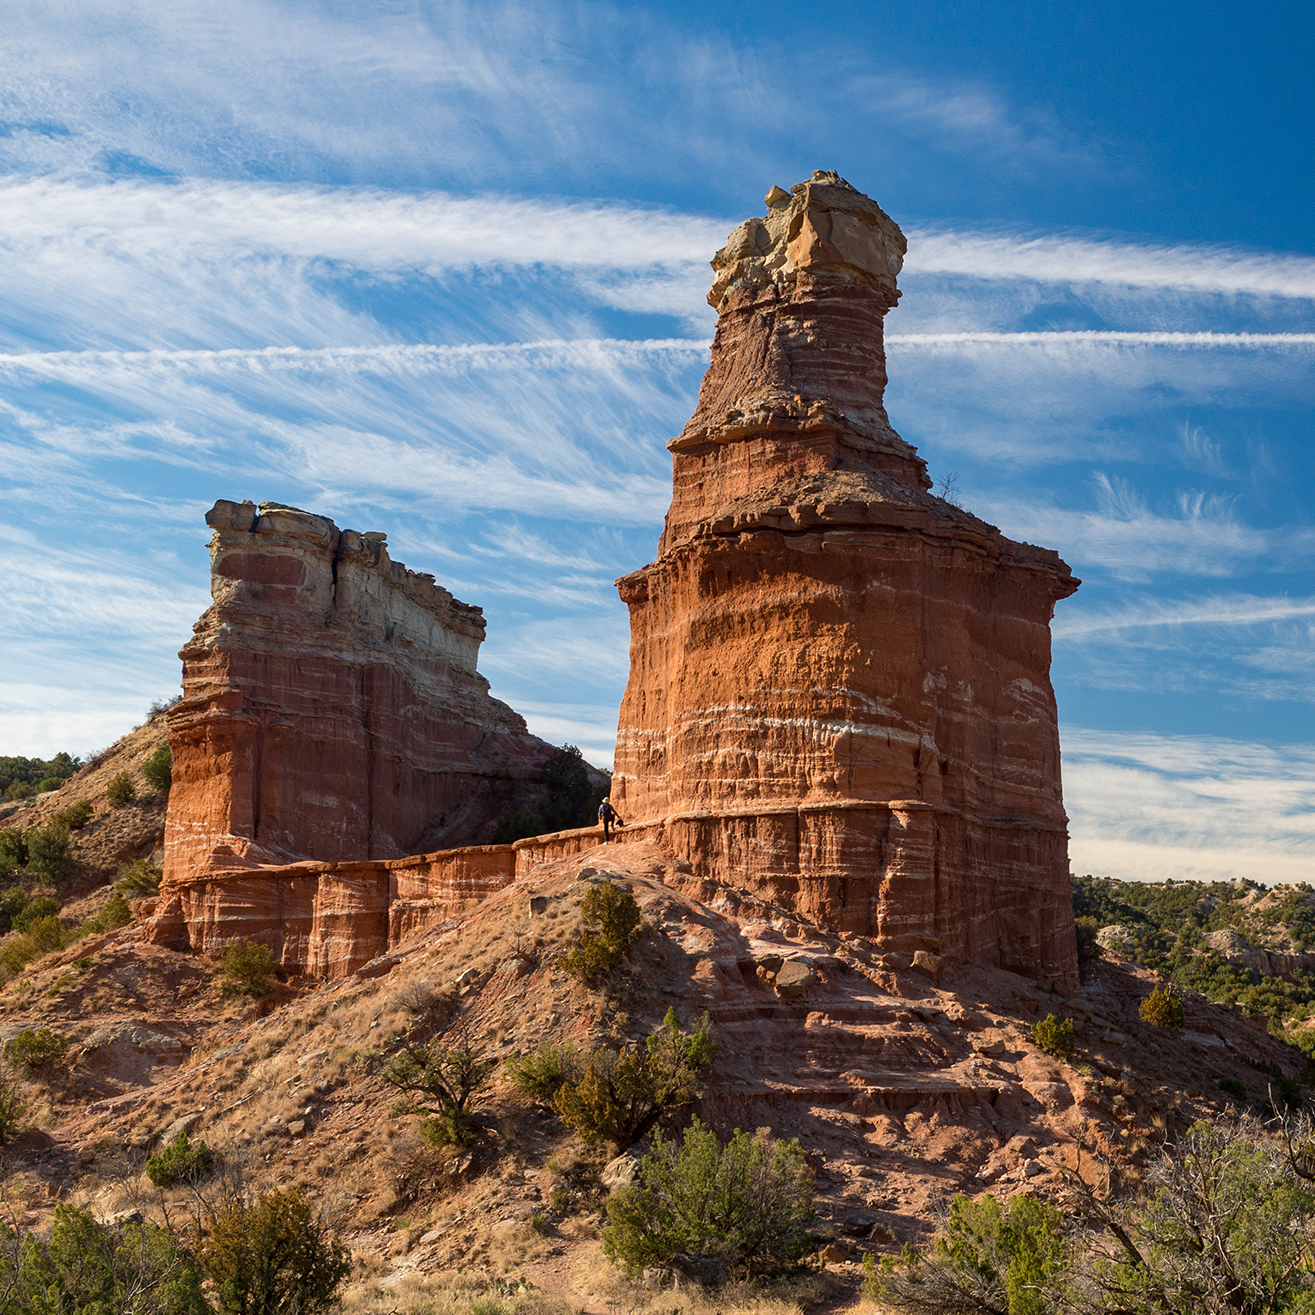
(331, 708)
(839, 693)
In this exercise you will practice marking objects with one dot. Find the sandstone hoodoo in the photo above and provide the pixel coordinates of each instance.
(839, 692)
(331, 707)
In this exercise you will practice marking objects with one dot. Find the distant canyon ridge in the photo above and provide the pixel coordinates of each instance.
(839, 699)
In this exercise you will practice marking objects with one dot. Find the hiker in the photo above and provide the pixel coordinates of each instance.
(608, 816)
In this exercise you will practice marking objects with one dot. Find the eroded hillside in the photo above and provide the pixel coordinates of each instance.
(903, 1091)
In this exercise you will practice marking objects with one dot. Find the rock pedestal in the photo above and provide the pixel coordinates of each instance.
(839, 692)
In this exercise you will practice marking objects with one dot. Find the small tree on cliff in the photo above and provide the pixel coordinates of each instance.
(624, 1093)
(440, 1081)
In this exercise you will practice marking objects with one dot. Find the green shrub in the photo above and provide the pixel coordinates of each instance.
(116, 913)
(622, 1095)
(157, 770)
(440, 1082)
(183, 1161)
(1232, 1087)
(19, 790)
(246, 968)
(747, 1202)
(44, 935)
(41, 907)
(542, 1074)
(1054, 1037)
(100, 1269)
(46, 784)
(75, 816)
(274, 1257)
(48, 851)
(33, 1050)
(984, 1258)
(612, 925)
(12, 903)
(12, 1105)
(1162, 1008)
(121, 789)
(13, 851)
(140, 878)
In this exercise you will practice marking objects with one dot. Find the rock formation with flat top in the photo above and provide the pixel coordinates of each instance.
(839, 692)
(331, 708)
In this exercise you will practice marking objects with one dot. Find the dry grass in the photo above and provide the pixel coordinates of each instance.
(448, 1294)
(597, 1278)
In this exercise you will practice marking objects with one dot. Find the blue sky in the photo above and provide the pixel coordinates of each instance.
(439, 270)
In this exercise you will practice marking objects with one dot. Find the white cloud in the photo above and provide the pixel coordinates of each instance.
(1226, 611)
(1100, 338)
(1056, 258)
(1145, 807)
(1133, 542)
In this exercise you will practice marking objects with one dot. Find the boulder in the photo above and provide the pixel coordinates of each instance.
(380, 967)
(928, 965)
(1118, 939)
(703, 1271)
(898, 962)
(794, 978)
(178, 1126)
(623, 1170)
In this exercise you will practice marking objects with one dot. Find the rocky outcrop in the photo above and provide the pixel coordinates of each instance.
(332, 919)
(839, 693)
(1236, 949)
(331, 707)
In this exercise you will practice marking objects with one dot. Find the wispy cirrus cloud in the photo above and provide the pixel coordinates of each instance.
(1056, 258)
(1220, 610)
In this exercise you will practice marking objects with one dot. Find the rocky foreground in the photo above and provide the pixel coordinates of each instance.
(903, 1090)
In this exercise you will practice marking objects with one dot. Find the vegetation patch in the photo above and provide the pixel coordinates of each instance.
(157, 770)
(34, 1049)
(542, 1073)
(441, 1082)
(747, 1203)
(273, 1255)
(121, 790)
(1055, 1037)
(246, 968)
(1162, 1008)
(182, 1161)
(572, 800)
(612, 923)
(623, 1094)
(21, 778)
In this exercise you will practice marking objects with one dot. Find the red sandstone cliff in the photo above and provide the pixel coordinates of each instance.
(331, 707)
(839, 691)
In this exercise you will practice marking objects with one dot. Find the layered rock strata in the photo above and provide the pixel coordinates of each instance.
(839, 692)
(330, 920)
(331, 706)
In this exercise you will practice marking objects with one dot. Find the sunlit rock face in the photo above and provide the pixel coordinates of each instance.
(839, 693)
(331, 707)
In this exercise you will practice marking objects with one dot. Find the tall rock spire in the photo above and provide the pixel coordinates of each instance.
(839, 693)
